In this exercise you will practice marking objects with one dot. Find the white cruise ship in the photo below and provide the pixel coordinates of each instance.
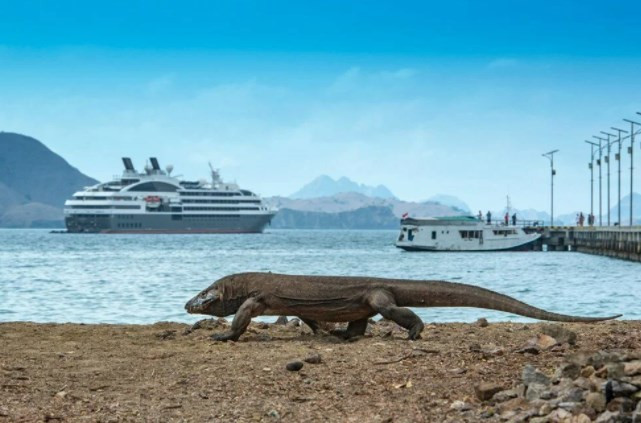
(156, 202)
(461, 233)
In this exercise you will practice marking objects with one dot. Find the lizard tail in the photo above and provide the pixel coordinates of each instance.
(449, 294)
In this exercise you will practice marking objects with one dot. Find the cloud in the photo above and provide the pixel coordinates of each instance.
(404, 73)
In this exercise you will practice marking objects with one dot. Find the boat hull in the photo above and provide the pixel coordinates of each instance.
(167, 223)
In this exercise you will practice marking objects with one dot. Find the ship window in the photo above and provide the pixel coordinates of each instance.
(433, 234)
(154, 187)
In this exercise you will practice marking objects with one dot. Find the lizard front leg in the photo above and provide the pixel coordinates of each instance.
(250, 308)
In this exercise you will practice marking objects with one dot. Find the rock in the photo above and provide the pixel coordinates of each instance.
(559, 415)
(614, 370)
(274, 414)
(545, 342)
(529, 349)
(294, 323)
(491, 350)
(599, 359)
(460, 406)
(587, 371)
(622, 404)
(581, 418)
(559, 333)
(294, 366)
(569, 370)
(482, 322)
(595, 401)
(313, 359)
(486, 390)
(538, 391)
(262, 325)
(282, 320)
(502, 396)
(583, 383)
(632, 368)
(622, 389)
(572, 395)
(570, 406)
(532, 375)
(609, 417)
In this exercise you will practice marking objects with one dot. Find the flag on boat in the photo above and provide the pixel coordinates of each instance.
(405, 215)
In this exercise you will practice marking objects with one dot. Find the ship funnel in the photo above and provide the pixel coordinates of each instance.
(128, 164)
(154, 163)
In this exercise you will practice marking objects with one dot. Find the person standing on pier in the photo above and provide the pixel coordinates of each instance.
(480, 215)
(514, 219)
(581, 219)
(506, 218)
(489, 217)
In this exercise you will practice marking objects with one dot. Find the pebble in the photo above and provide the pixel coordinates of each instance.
(313, 359)
(632, 368)
(532, 375)
(294, 366)
(486, 390)
(482, 322)
(460, 406)
(559, 333)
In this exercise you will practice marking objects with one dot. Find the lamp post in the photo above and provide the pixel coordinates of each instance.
(618, 159)
(598, 162)
(631, 152)
(591, 165)
(550, 156)
(607, 160)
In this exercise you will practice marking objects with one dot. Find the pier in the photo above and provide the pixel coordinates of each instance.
(613, 241)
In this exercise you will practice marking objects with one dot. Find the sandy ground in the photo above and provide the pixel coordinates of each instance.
(70, 372)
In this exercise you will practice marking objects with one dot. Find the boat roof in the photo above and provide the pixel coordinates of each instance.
(442, 220)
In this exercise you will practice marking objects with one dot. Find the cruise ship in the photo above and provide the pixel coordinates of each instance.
(156, 202)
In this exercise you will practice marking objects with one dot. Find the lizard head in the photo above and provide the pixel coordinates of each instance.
(221, 298)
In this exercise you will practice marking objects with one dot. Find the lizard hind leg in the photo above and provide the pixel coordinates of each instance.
(383, 302)
(354, 328)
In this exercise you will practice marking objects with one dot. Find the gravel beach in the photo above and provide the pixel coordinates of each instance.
(174, 372)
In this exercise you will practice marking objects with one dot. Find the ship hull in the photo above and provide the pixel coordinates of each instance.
(167, 223)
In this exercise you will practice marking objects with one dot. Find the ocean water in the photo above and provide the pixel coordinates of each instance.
(47, 277)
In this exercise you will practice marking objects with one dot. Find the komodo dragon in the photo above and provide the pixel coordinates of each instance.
(348, 299)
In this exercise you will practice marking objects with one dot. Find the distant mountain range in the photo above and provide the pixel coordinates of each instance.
(325, 186)
(34, 183)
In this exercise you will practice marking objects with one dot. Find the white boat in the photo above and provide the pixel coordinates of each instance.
(461, 233)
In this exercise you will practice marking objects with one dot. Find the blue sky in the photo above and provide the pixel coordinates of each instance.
(459, 98)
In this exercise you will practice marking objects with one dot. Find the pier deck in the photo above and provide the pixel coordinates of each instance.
(618, 242)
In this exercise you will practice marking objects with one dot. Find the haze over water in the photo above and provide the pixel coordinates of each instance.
(148, 278)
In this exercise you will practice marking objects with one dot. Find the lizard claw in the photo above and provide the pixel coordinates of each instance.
(220, 337)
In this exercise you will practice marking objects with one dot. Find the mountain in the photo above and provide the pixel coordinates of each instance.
(371, 217)
(350, 210)
(451, 201)
(34, 182)
(325, 186)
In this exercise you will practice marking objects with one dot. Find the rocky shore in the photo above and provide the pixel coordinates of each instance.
(490, 372)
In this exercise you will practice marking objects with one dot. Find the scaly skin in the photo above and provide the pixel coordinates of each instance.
(348, 299)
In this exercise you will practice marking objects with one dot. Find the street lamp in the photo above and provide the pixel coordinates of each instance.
(591, 165)
(598, 162)
(607, 160)
(550, 155)
(618, 159)
(631, 152)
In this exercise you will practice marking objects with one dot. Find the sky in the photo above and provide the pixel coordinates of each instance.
(457, 97)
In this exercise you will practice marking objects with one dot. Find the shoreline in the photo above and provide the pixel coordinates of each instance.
(168, 372)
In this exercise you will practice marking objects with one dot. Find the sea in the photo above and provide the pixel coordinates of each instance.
(140, 279)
